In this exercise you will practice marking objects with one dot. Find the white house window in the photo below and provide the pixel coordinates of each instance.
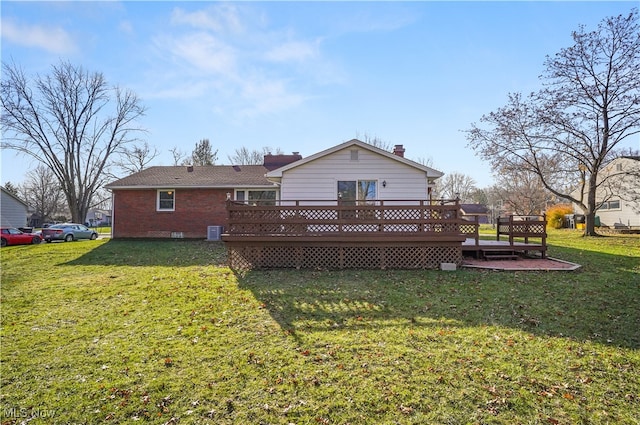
(367, 190)
(357, 190)
(166, 200)
(610, 205)
(265, 197)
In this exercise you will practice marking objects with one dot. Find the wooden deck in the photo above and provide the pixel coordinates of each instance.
(401, 234)
(515, 236)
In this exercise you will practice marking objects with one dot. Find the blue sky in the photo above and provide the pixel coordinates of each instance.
(304, 76)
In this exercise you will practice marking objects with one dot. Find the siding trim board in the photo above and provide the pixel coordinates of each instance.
(363, 147)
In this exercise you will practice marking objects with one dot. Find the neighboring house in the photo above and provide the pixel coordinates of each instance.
(96, 217)
(618, 194)
(355, 171)
(469, 211)
(183, 201)
(13, 210)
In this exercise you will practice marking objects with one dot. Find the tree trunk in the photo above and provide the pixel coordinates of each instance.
(590, 214)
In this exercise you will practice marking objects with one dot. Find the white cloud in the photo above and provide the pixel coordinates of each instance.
(264, 96)
(51, 39)
(219, 18)
(367, 21)
(186, 90)
(296, 51)
(244, 68)
(202, 51)
(126, 27)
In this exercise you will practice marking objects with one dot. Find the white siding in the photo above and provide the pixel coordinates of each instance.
(624, 186)
(318, 179)
(625, 215)
(13, 212)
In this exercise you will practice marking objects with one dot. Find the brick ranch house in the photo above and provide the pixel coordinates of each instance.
(182, 201)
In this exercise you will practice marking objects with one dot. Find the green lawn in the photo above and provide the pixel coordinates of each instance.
(159, 332)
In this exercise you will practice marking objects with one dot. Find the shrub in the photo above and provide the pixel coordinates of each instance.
(556, 213)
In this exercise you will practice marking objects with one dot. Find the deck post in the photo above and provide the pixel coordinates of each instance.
(511, 230)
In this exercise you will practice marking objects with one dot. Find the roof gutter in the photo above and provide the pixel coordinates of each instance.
(178, 186)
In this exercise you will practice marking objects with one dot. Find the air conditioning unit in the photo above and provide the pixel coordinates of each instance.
(214, 233)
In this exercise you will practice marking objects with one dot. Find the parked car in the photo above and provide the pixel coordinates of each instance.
(13, 236)
(68, 232)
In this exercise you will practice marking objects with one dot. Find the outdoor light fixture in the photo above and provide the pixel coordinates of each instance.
(384, 183)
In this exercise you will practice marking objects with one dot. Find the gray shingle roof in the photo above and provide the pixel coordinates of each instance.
(210, 176)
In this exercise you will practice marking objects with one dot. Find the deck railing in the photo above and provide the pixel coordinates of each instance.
(522, 226)
(344, 234)
(370, 234)
(470, 227)
(322, 218)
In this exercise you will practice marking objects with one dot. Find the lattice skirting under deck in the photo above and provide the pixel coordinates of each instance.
(244, 256)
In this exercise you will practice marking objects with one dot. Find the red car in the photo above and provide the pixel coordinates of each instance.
(13, 236)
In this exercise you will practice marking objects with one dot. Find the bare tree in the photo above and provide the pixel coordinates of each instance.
(244, 156)
(479, 196)
(375, 141)
(136, 158)
(73, 122)
(522, 191)
(456, 185)
(11, 188)
(428, 161)
(203, 154)
(178, 156)
(570, 130)
(43, 193)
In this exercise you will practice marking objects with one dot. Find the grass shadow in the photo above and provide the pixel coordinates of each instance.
(154, 252)
(597, 303)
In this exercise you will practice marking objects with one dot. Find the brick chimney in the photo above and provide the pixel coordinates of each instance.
(271, 162)
(399, 150)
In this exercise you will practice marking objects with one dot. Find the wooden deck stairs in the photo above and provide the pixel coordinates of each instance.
(498, 254)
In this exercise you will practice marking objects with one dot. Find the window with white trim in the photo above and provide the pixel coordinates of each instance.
(610, 205)
(264, 197)
(166, 200)
(360, 190)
